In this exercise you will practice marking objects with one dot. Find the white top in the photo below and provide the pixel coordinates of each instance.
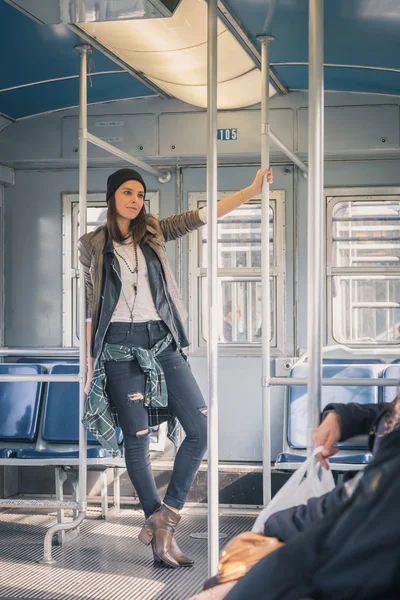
(144, 308)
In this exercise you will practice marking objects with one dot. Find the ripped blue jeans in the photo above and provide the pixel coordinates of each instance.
(125, 389)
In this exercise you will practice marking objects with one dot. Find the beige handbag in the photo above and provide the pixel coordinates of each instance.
(240, 555)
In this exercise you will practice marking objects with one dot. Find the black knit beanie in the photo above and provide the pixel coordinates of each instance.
(119, 177)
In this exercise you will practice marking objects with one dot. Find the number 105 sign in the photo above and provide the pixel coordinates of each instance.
(227, 135)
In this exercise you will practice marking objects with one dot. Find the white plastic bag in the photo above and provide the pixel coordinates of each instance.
(309, 481)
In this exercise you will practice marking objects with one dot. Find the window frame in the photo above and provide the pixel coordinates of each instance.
(198, 345)
(70, 269)
(334, 196)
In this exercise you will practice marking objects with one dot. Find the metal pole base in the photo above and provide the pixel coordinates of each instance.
(265, 38)
(81, 47)
(47, 561)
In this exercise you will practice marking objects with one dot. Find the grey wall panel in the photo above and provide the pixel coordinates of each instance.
(135, 134)
(354, 128)
(240, 408)
(33, 250)
(39, 138)
(186, 133)
(32, 139)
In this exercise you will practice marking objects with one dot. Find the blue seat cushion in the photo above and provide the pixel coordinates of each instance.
(20, 403)
(390, 393)
(363, 458)
(61, 410)
(8, 452)
(286, 457)
(91, 453)
(297, 396)
(48, 361)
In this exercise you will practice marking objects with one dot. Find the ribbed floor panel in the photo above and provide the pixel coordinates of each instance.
(106, 562)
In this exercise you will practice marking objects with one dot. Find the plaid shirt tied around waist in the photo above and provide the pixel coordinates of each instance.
(100, 418)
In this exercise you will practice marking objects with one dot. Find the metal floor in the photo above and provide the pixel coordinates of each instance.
(106, 562)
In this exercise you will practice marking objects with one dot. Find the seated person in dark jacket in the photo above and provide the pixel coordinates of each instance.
(339, 422)
(351, 553)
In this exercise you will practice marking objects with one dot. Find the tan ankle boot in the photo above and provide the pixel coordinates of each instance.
(159, 531)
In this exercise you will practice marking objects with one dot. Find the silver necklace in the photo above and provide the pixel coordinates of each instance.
(133, 271)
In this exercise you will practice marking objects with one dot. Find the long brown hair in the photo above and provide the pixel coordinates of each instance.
(137, 227)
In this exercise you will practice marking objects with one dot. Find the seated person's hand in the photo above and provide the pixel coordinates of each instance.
(327, 435)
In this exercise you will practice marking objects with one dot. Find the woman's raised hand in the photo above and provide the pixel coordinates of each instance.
(259, 180)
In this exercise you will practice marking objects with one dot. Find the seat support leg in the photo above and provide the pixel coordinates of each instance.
(104, 495)
(117, 490)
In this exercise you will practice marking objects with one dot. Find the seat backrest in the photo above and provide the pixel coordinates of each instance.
(20, 404)
(297, 396)
(61, 410)
(48, 362)
(390, 393)
(354, 361)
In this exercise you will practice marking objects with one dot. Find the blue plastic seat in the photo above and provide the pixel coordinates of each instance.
(297, 397)
(20, 404)
(61, 410)
(91, 453)
(390, 393)
(8, 452)
(363, 458)
(49, 361)
(354, 361)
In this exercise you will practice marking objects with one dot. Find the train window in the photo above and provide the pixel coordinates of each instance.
(363, 257)
(96, 216)
(239, 277)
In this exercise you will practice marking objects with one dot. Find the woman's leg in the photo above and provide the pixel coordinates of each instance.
(186, 402)
(125, 388)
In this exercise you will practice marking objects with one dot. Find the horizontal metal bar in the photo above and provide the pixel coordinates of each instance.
(357, 305)
(51, 504)
(293, 466)
(39, 378)
(40, 352)
(291, 155)
(336, 381)
(248, 241)
(361, 240)
(373, 272)
(163, 175)
(365, 218)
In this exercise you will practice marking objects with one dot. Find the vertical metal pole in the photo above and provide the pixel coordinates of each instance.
(315, 213)
(83, 50)
(212, 270)
(265, 275)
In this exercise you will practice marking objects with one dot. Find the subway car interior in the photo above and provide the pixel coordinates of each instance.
(291, 297)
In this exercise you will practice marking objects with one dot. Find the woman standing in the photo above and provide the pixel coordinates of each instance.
(135, 333)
